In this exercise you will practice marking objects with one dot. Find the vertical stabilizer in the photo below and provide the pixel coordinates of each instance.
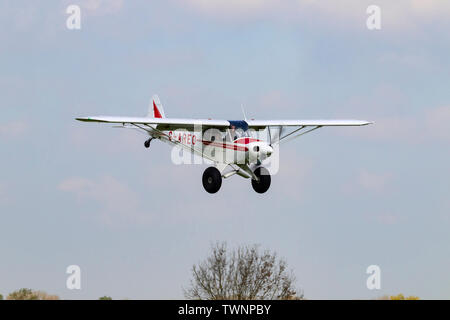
(155, 108)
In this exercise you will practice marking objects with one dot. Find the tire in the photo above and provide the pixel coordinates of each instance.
(212, 180)
(263, 184)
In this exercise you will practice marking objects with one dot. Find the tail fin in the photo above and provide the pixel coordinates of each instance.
(155, 108)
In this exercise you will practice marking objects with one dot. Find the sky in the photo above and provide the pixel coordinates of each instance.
(85, 194)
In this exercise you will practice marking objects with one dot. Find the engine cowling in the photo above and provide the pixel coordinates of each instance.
(259, 151)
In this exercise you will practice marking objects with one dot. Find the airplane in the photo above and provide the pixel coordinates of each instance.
(236, 144)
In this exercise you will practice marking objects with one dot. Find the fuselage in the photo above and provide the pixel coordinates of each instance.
(229, 147)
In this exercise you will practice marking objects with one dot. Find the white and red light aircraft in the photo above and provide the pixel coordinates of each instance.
(226, 143)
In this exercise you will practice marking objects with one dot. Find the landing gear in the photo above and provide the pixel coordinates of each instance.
(212, 180)
(263, 184)
(147, 142)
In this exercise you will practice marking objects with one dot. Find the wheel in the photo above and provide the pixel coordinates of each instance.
(147, 143)
(263, 184)
(212, 180)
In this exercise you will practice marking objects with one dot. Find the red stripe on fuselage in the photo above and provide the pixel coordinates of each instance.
(224, 145)
(245, 140)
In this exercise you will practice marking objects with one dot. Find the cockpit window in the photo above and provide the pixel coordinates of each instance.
(235, 133)
(238, 129)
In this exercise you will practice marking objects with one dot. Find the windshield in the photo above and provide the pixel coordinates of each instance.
(235, 133)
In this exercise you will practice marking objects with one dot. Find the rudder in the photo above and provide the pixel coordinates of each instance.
(155, 108)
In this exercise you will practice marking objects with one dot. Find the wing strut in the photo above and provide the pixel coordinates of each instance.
(174, 142)
(283, 138)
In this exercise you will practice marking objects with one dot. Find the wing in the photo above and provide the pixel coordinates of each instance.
(300, 127)
(262, 124)
(156, 126)
(161, 123)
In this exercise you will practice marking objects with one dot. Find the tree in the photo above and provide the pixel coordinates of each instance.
(28, 294)
(22, 294)
(1, 297)
(245, 273)
(398, 297)
(402, 297)
(105, 298)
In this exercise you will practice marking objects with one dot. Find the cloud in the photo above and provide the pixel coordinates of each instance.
(98, 7)
(17, 16)
(186, 200)
(427, 126)
(232, 7)
(13, 129)
(294, 173)
(25, 17)
(400, 14)
(366, 180)
(385, 218)
(372, 181)
(430, 7)
(271, 98)
(437, 123)
(407, 60)
(102, 7)
(107, 139)
(118, 203)
(3, 197)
